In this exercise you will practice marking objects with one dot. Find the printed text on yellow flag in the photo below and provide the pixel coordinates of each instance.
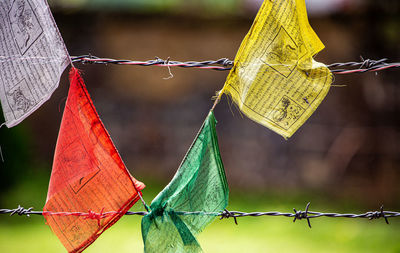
(275, 80)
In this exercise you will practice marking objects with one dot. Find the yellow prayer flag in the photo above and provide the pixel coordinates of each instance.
(275, 80)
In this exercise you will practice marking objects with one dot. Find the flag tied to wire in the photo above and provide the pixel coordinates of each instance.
(88, 174)
(275, 80)
(199, 186)
(32, 57)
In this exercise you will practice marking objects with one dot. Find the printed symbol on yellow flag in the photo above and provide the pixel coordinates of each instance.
(275, 80)
(283, 54)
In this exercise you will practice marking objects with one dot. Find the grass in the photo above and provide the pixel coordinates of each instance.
(262, 234)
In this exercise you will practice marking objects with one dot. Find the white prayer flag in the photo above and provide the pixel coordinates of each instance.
(32, 57)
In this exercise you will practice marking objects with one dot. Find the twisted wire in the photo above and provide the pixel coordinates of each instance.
(223, 64)
(296, 215)
(220, 64)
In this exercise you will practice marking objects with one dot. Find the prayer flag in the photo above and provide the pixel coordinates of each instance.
(275, 80)
(199, 186)
(32, 57)
(88, 175)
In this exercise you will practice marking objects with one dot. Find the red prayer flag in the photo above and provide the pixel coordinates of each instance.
(88, 175)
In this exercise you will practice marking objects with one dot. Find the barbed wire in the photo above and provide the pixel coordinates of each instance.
(296, 215)
(223, 64)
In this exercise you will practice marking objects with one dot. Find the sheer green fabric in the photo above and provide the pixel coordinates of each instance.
(199, 186)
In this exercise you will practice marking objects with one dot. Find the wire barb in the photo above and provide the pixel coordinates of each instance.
(226, 214)
(298, 215)
(95, 216)
(20, 211)
(378, 214)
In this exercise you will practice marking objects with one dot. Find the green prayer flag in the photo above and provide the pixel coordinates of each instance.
(198, 187)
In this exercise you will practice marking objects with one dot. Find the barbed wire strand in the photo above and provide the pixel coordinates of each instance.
(296, 215)
(223, 64)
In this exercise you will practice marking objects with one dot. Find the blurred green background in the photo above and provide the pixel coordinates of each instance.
(346, 158)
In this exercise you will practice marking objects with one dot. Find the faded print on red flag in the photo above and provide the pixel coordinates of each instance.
(88, 175)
